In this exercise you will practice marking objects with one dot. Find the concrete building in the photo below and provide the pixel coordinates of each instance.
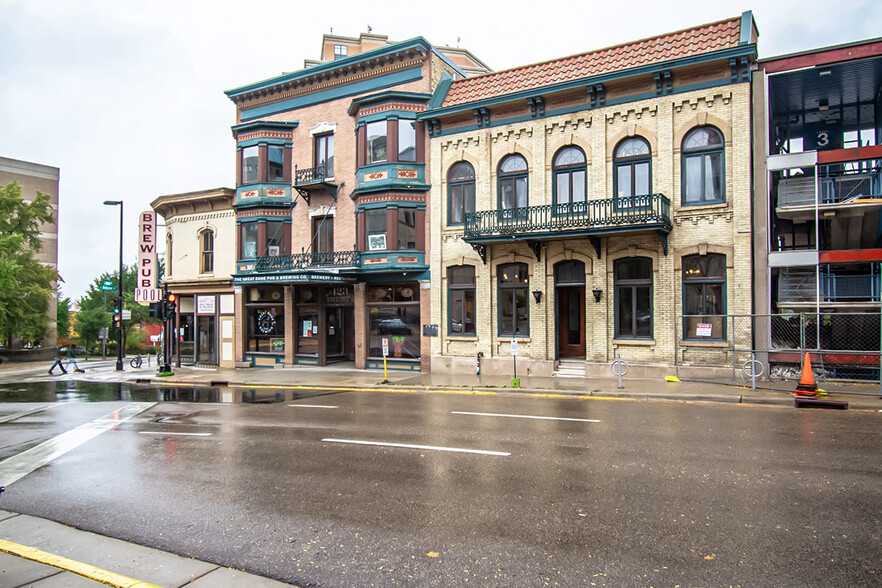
(200, 233)
(594, 206)
(331, 205)
(818, 209)
(33, 178)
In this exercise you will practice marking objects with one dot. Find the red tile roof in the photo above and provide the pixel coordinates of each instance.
(707, 38)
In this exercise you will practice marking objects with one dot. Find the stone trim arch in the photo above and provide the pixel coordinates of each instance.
(569, 139)
(631, 130)
(612, 257)
(461, 155)
(462, 260)
(704, 249)
(513, 149)
(511, 258)
(567, 255)
(703, 119)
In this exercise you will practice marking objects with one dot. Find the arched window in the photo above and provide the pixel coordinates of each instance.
(703, 150)
(206, 249)
(513, 288)
(569, 171)
(632, 281)
(704, 296)
(513, 198)
(460, 192)
(632, 173)
(461, 300)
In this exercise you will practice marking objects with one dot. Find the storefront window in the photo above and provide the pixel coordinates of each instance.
(394, 315)
(265, 316)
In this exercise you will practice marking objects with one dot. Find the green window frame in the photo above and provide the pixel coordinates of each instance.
(461, 297)
(569, 180)
(632, 283)
(632, 174)
(513, 290)
(460, 192)
(704, 297)
(513, 188)
(703, 167)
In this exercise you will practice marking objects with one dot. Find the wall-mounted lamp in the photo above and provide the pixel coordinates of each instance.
(537, 295)
(597, 292)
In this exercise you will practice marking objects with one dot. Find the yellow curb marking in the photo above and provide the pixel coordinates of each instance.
(76, 567)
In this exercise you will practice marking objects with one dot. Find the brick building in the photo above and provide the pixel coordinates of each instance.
(583, 205)
(331, 205)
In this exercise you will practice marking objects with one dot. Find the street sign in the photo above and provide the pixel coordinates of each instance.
(126, 314)
(102, 333)
(514, 346)
(108, 287)
(385, 347)
(108, 283)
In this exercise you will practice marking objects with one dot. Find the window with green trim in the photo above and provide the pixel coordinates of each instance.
(632, 282)
(460, 192)
(632, 173)
(704, 296)
(376, 141)
(513, 289)
(513, 188)
(569, 170)
(702, 154)
(461, 300)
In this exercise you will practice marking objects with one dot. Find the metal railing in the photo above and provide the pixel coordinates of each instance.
(652, 211)
(845, 347)
(846, 181)
(310, 175)
(331, 259)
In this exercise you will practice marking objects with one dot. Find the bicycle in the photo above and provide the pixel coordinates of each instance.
(137, 361)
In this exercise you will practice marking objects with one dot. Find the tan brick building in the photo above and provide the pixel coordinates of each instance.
(581, 206)
(331, 205)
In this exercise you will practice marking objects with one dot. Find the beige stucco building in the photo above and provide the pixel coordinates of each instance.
(200, 246)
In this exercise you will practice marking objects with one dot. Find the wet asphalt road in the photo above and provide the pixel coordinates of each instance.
(654, 494)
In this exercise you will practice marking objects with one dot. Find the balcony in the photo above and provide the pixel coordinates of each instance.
(306, 261)
(312, 178)
(581, 219)
(797, 285)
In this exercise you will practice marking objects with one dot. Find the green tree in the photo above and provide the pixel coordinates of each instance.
(25, 283)
(62, 316)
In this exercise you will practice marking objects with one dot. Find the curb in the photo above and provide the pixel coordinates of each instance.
(75, 567)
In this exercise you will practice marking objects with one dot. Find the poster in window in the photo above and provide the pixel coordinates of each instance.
(205, 304)
(377, 242)
(273, 250)
(307, 328)
(277, 345)
(704, 330)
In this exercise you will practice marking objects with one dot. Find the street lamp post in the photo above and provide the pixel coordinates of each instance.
(119, 345)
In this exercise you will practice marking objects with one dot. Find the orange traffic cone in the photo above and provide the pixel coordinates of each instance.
(807, 386)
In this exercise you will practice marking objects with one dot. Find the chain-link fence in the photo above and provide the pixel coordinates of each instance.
(844, 347)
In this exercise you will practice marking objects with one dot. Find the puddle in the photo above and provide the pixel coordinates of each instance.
(78, 391)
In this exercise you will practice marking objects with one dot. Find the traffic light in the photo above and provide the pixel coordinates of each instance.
(117, 305)
(117, 321)
(171, 303)
(155, 310)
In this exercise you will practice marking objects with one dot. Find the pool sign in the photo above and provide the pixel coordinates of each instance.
(145, 289)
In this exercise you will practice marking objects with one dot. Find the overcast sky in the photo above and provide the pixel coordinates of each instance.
(126, 98)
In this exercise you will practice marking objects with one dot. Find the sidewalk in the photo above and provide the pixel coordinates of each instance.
(40, 553)
(345, 375)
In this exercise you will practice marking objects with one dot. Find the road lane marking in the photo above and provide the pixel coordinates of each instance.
(426, 447)
(313, 406)
(525, 416)
(169, 433)
(85, 570)
(18, 466)
(18, 415)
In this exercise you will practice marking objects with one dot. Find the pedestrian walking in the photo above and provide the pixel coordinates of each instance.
(72, 359)
(58, 362)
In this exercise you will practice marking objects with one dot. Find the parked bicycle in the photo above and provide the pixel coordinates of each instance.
(137, 361)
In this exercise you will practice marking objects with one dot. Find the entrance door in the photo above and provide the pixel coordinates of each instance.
(205, 340)
(569, 280)
(571, 321)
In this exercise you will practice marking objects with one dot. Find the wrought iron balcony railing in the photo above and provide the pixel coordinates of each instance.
(596, 216)
(298, 261)
(309, 176)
